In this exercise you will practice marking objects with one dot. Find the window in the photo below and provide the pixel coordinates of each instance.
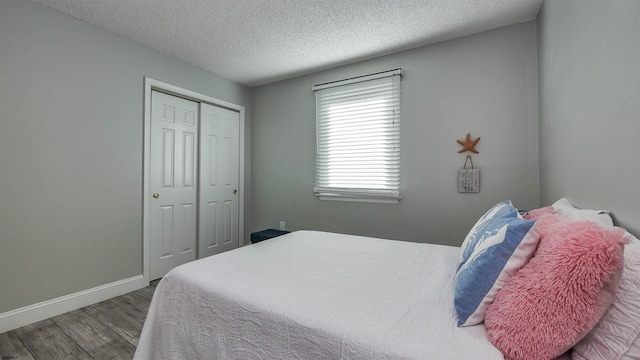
(358, 138)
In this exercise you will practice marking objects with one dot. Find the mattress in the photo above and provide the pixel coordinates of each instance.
(313, 295)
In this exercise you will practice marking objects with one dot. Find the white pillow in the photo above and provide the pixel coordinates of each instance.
(617, 335)
(634, 351)
(563, 207)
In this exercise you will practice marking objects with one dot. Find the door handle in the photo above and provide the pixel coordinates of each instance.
(156, 195)
(235, 192)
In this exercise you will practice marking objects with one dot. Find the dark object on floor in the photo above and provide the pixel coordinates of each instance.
(266, 234)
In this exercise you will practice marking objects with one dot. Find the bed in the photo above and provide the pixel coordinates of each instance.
(554, 282)
(313, 295)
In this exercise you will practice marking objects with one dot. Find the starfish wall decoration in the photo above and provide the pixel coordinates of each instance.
(468, 144)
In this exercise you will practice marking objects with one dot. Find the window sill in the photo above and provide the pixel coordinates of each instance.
(364, 199)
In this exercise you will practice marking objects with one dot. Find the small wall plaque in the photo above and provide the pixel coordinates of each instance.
(468, 179)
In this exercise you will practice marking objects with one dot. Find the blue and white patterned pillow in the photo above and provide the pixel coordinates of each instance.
(498, 245)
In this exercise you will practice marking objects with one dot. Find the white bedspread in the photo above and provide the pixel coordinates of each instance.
(313, 295)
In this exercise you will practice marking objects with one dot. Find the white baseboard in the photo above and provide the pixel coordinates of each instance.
(29, 314)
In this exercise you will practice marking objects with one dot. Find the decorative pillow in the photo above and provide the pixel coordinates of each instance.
(499, 244)
(563, 207)
(614, 335)
(556, 298)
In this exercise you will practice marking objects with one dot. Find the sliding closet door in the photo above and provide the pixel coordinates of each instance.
(173, 182)
(219, 179)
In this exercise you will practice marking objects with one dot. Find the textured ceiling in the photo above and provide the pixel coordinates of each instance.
(254, 42)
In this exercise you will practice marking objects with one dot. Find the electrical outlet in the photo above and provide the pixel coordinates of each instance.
(282, 225)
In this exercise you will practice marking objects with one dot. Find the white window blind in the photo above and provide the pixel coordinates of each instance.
(358, 138)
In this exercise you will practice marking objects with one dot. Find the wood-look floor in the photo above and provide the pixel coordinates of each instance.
(106, 330)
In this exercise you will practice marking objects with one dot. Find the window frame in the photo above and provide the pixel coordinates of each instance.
(389, 192)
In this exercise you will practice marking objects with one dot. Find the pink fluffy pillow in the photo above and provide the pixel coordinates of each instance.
(537, 213)
(556, 298)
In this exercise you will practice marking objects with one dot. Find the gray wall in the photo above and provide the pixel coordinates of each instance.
(589, 64)
(71, 97)
(485, 84)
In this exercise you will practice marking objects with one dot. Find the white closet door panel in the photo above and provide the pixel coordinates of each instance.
(173, 177)
(211, 235)
(219, 180)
